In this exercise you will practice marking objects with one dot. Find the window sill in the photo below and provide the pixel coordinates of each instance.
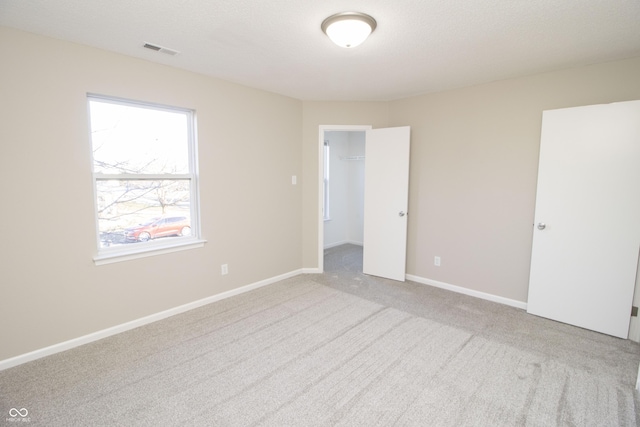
(147, 251)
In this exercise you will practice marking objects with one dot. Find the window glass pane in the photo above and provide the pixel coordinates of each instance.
(133, 211)
(127, 139)
(326, 158)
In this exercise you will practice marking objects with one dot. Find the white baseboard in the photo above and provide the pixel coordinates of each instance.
(466, 291)
(313, 270)
(76, 342)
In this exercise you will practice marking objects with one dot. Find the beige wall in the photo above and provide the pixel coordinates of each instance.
(249, 147)
(472, 193)
(474, 160)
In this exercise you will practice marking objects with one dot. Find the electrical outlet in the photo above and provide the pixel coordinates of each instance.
(224, 269)
(436, 261)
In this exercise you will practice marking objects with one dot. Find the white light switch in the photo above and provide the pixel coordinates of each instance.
(294, 179)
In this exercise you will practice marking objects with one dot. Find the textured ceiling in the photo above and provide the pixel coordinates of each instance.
(420, 46)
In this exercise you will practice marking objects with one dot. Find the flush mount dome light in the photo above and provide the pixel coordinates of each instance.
(348, 29)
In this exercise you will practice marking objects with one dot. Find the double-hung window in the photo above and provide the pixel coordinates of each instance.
(144, 176)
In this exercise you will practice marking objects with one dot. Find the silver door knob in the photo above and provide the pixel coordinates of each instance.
(401, 213)
(542, 226)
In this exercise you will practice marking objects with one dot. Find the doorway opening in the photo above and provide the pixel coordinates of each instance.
(341, 189)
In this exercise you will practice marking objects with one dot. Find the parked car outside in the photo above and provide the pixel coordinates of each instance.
(159, 227)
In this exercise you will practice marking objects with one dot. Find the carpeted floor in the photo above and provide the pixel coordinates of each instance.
(339, 348)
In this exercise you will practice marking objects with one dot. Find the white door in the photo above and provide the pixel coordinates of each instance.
(587, 220)
(386, 193)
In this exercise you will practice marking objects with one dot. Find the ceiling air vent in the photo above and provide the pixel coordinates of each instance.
(161, 49)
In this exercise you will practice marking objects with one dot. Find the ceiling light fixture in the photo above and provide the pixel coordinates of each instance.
(348, 29)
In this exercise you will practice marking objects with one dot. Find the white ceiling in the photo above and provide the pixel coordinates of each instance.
(420, 46)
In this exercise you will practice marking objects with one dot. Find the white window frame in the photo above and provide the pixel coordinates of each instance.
(326, 152)
(108, 255)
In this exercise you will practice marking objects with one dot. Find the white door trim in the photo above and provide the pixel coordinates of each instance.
(321, 130)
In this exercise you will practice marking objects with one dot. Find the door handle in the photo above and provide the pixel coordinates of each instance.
(542, 226)
(401, 213)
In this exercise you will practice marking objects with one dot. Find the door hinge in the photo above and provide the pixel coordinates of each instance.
(634, 311)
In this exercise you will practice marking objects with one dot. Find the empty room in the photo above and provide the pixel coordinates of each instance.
(243, 213)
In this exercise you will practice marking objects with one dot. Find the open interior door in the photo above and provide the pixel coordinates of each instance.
(386, 194)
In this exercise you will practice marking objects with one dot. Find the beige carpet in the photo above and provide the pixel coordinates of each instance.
(336, 349)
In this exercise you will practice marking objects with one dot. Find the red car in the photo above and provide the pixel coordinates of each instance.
(159, 227)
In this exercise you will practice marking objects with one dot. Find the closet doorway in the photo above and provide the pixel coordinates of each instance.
(343, 167)
(376, 195)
